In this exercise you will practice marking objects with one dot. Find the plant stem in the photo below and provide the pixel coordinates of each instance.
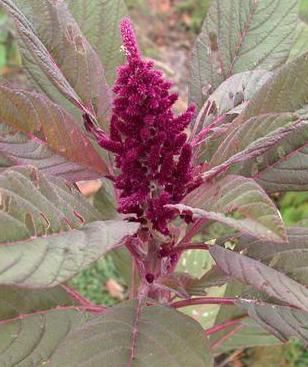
(190, 246)
(194, 229)
(204, 301)
(223, 326)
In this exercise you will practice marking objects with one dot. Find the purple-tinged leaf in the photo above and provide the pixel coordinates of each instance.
(49, 125)
(254, 136)
(284, 167)
(30, 340)
(216, 116)
(228, 100)
(261, 277)
(238, 202)
(247, 142)
(281, 321)
(247, 333)
(237, 90)
(284, 92)
(146, 336)
(51, 42)
(99, 20)
(178, 283)
(17, 149)
(48, 232)
(290, 258)
(16, 301)
(239, 36)
(215, 277)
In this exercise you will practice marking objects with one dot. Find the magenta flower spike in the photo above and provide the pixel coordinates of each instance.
(149, 142)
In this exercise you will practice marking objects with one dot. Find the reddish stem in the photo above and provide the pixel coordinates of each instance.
(202, 134)
(194, 229)
(191, 246)
(223, 326)
(204, 301)
(76, 296)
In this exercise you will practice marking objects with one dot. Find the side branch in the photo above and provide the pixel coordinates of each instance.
(205, 301)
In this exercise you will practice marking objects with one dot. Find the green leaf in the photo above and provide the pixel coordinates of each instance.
(30, 340)
(154, 336)
(239, 36)
(48, 232)
(300, 45)
(17, 149)
(261, 277)
(51, 42)
(284, 92)
(282, 321)
(50, 127)
(238, 202)
(99, 21)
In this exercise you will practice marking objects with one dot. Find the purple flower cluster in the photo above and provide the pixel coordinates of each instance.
(149, 142)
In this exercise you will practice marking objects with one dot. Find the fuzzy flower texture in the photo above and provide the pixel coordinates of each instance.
(149, 142)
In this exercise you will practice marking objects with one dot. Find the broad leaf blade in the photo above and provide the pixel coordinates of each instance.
(52, 42)
(152, 336)
(290, 258)
(284, 92)
(49, 125)
(301, 41)
(261, 277)
(48, 232)
(99, 21)
(239, 36)
(246, 333)
(253, 211)
(254, 136)
(30, 340)
(17, 149)
(16, 301)
(282, 321)
(254, 141)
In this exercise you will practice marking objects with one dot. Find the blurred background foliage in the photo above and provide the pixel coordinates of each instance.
(104, 282)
